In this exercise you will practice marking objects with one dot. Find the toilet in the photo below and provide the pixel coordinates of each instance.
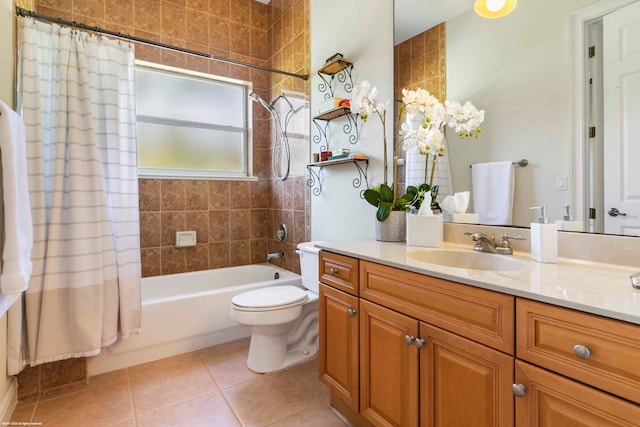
(283, 319)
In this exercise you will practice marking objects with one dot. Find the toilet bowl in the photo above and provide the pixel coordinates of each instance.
(283, 319)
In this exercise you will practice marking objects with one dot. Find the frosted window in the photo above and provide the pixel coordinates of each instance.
(190, 125)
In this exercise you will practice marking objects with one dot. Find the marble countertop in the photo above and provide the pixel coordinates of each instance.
(596, 288)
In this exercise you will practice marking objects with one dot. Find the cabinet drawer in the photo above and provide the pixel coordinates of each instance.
(551, 400)
(478, 314)
(339, 271)
(547, 335)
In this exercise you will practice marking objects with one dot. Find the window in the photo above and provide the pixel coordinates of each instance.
(191, 124)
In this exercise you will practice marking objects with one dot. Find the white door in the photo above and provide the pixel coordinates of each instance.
(621, 32)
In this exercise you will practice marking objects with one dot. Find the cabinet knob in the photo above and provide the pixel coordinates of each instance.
(582, 351)
(333, 271)
(409, 339)
(419, 342)
(351, 312)
(518, 389)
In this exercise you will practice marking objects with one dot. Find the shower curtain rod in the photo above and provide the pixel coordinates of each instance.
(30, 14)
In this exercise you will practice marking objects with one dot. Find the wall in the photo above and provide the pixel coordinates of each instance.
(362, 31)
(235, 220)
(420, 62)
(518, 69)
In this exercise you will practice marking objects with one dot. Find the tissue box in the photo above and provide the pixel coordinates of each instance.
(464, 218)
(424, 230)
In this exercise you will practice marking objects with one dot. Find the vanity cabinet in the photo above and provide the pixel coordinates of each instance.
(339, 364)
(417, 365)
(431, 352)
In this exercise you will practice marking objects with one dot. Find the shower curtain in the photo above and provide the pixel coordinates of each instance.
(76, 94)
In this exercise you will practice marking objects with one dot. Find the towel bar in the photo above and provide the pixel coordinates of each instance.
(522, 163)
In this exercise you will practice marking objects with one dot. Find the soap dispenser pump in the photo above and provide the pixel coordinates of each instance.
(544, 238)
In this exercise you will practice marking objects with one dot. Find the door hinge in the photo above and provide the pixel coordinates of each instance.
(592, 51)
(592, 213)
(592, 132)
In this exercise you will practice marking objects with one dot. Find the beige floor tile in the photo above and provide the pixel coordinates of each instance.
(127, 423)
(101, 406)
(315, 415)
(169, 381)
(23, 413)
(266, 399)
(308, 374)
(204, 411)
(228, 367)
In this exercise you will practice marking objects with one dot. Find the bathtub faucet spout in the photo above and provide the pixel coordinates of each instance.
(274, 255)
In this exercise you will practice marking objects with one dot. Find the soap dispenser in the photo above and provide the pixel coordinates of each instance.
(567, 223)
(544, 238)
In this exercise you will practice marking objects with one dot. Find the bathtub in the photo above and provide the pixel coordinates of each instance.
(186, 312)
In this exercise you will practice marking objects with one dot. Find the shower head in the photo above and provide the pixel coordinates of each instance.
(255, 98)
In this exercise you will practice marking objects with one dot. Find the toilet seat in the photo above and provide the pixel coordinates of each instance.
(270, 298)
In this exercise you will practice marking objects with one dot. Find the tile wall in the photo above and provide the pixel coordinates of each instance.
(235, 220)
(420, 62)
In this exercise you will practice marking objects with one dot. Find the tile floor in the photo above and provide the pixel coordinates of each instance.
(209, 388)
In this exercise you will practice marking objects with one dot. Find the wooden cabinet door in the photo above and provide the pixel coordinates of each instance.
(338, 331)
(463, 383)
(551, 400)
(388, 367)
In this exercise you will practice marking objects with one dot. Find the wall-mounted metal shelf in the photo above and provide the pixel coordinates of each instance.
(322, 123)
(315, 173)
(337, 71)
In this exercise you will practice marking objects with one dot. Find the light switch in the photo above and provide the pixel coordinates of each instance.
(561, 182)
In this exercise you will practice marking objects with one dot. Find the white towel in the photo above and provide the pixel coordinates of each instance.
(18, 229)
(493, 188)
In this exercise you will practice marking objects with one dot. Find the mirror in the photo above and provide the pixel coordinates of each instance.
(521, 69)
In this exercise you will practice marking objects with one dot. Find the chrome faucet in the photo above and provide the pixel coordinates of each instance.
(486, 243)
(274, 255)
(635, 280)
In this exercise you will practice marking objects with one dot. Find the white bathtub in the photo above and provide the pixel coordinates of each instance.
(186, 312)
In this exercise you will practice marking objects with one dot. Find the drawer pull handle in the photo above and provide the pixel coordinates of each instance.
(419, 342)
(582, 351)
(351, 312)
(333, 271)
(409, 339)
(518, 389)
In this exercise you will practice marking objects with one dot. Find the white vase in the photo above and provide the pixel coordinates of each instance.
(392, 229)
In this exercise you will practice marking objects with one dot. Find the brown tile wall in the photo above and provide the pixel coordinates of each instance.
(420, 62)
(290, 199)
(235, 220)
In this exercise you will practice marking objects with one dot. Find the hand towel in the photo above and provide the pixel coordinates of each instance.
(18, 229)
(493, 187)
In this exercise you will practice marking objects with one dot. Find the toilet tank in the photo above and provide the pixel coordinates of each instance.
(309, 265)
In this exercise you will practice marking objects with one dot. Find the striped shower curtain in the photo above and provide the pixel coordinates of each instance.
(76, 94)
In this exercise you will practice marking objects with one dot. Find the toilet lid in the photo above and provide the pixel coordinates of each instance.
(274, 296)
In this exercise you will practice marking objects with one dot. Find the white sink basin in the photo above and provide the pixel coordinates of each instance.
(469, 260)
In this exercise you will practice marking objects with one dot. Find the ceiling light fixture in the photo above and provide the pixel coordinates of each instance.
(494, 8)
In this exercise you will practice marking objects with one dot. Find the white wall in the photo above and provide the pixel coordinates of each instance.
(362, 31)
(518, 69)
